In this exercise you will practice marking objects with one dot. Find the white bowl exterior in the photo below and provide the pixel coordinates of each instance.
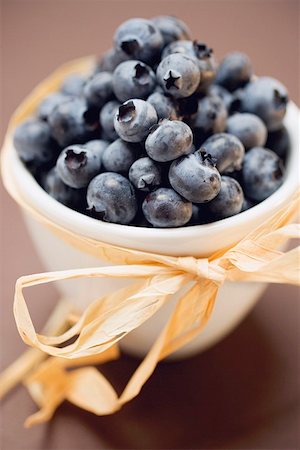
(234, 299)
(233, 302)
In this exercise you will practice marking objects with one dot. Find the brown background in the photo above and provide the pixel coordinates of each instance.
(242, 394)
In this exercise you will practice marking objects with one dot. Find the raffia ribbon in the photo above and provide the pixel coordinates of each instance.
(109, 319)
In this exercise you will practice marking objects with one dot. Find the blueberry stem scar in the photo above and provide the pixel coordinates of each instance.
(172, 80)
(126, 112)
(75, 160)
(141, 74)
(130, 47)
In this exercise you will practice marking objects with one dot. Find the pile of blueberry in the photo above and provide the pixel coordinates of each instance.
(159, 134)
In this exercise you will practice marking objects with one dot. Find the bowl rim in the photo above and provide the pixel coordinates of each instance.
(90, 227)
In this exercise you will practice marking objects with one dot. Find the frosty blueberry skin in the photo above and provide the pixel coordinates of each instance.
(33, 142)
(119, 156)
(171, 28)
(139, 39)
(195, 177)
(227, 151)
(267, 98)
(163, 105)
(97, 146)
(98, 89)
(249, 128)
(110, 60)
(73, 85)
(111, 197)
(57, 189)
(182, 46)
(77, 165)
(145, 174)
(229, 200)
(207, 65)
(179, 75)
(200, 214)
(164, 208)
(73, 122)
(107, 116)
(134, 119)
(49, 103)
(210, 118)
(263, 173)
(133, 79)
(215, 90)
(247, 204)
(279, 141)
(234, 71)
(169, 140)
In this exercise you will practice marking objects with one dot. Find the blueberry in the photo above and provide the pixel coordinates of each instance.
(182, 46)
(110, 60)
(227, 150)
(134, 120)
(97, 146)
(119, 156)
(195, 177)
(33, 142)
(164, 208)
(234, 71)
(211, 117)
(49, 103)
(249, 128)
(133, 79)
(267, 98)
(229, 200)
(163, 105)
(220, 91)
(73, 85)
(200, 214)
(56, 188)
(144, 174)
(111, 198)
(247, 204)
(179, 75)
(194, 220)
(73, 122)
(107, 115)
(279, 141)
(77, 165)
(98, 89)
(139, 39)
(263, 173)
(207, 64)
(169, 140)
(199, 51)
(236, 101)
(171, 28)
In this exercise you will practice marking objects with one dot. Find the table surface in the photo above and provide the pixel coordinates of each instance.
(244, 392)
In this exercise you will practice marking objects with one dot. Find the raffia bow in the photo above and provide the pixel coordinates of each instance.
(109, 319)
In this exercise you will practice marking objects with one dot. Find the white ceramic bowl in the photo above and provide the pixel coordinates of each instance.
(234, 299)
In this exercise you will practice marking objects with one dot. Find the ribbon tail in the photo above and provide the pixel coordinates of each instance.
(51, 384)
(190, 316)
(31, 358)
